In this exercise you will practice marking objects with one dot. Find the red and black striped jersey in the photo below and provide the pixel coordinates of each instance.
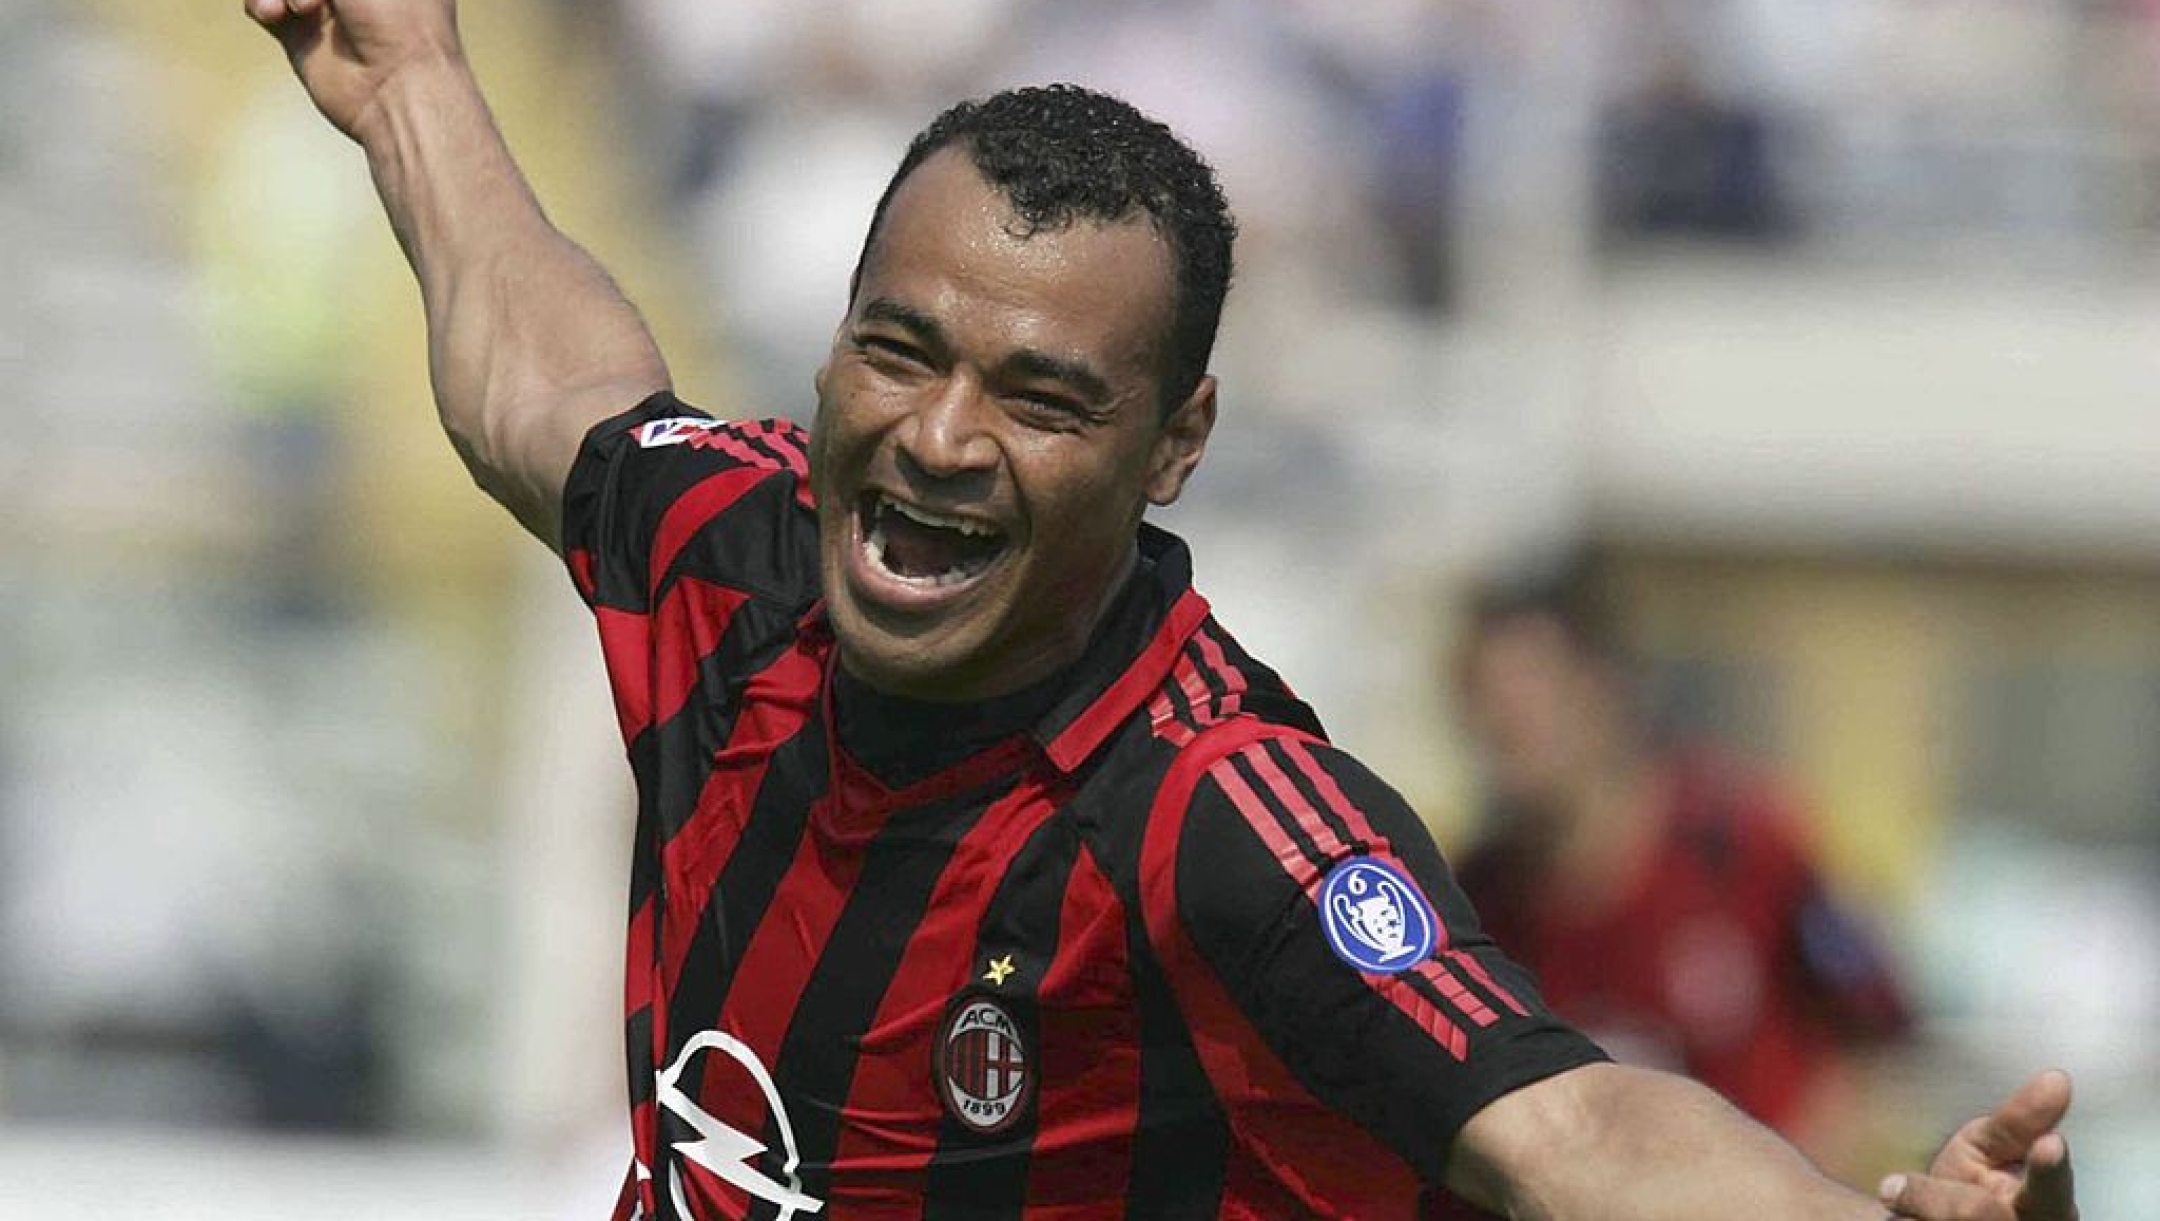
(1165, 954)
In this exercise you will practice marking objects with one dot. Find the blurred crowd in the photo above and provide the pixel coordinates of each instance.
(257, 853)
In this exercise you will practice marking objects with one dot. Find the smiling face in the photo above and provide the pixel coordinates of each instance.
(990, 428)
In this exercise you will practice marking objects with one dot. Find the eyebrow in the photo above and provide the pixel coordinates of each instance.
(1026, 363)
(907, 318)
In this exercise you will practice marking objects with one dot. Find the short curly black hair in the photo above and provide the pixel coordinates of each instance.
(1064, 153)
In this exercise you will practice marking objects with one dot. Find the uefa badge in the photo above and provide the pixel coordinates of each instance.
(981, 1066)
(1374, 916)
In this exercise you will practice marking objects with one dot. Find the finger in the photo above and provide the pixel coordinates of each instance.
(303, 8)
(2007, 1135)
(1932, 1199)
(266, 12)
(2050, 1192)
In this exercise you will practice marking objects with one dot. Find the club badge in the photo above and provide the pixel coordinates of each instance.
(981, 1065)
(1375, 918)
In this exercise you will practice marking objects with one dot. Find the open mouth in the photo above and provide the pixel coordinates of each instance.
(928, 549)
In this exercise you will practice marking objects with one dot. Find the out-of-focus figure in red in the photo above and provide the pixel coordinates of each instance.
(1666, 897)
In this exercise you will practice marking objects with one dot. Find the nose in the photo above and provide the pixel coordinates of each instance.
(947, 435)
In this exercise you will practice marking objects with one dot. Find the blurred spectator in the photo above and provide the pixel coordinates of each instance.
(1680, 155)
(1666, 899)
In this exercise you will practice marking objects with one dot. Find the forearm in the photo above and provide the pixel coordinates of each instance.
(1629, 1145)
(530, 342)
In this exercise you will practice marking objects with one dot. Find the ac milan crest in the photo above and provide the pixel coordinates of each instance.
(981, 1063)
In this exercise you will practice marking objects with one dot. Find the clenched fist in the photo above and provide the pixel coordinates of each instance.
(346, 52)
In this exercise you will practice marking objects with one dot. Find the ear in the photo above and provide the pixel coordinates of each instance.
(1179, 447)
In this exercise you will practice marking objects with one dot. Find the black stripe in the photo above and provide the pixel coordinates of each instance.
(1181, 1149)
(638, 1035)
(815, 1069)
(764, 544)
(645, 846)
(1432, 995)
(758, 635)
(794, 779)
(1305, 787)
(1218, 690)
(1181, 709)
(1306, 845)
(978, 1176)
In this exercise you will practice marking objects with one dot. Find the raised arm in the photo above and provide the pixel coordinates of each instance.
(1618, 1143)
(529, 341)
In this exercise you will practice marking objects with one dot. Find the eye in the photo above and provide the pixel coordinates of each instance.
(888, 349)
(1050, 409)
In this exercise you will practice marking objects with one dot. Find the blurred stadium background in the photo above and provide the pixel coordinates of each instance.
(1835, 322)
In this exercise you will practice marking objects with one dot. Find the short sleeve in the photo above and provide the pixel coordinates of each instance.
(695, 544)
(665, 490)
(1317, 898)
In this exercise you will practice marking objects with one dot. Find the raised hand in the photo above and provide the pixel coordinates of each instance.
(2010, 1165)
(346, 51)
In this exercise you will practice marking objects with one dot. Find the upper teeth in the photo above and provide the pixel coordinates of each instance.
(927, 518)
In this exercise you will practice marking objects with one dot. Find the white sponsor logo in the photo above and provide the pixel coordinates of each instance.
(722, 1150)
(673, 431)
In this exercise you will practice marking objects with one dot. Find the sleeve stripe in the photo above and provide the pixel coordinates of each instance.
(1332, 848)
(1165, 720)
(1360, 828)
(1274, 827)
(1476, 970)
(1301, 869)
(785, 440)
(1465, 1001)
(1232, 678)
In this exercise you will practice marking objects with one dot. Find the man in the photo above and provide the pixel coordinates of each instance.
(979, 872)
(1664, 897)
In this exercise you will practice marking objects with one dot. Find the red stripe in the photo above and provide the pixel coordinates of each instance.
(889, 1129)
(787, 440)
(1285, 850)
(1292, 1155)
(1197, 695)
(730, 441)
(692, 510)
(1233, 679)
(1162, 715)
(1088, 1087)
(581, 571)
(1476, 970)
(776, 703)
(1322, 834)
(687, 627)
(625, 641)
(768, 980)
(1460, 997)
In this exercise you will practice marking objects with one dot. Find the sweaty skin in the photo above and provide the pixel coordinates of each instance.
(1011, 379)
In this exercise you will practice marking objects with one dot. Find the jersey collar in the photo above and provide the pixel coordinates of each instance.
(1131, 653)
